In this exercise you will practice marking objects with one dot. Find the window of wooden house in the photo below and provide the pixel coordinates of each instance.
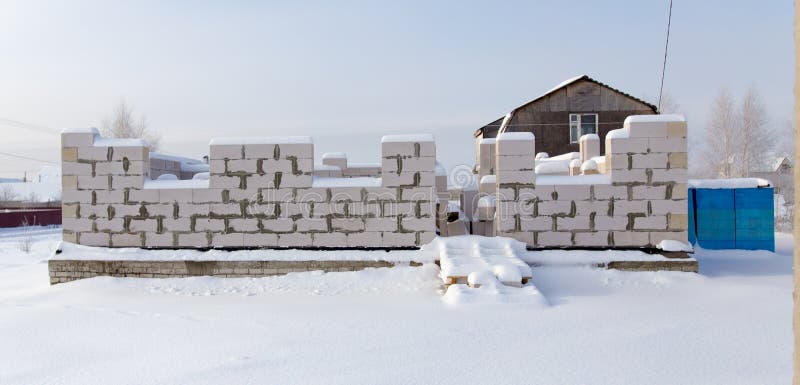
(581, 124)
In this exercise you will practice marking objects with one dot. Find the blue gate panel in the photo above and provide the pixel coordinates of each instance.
(716, 219)
(755, 219)
(692, 232)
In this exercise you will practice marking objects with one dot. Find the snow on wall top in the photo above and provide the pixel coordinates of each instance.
(511, 136)
(619, 133)
(728, 183)
(261, 140)
(90, 130)
(119, 142)
(334, 155)
(654, 118)
(407, 138)
(488, 141)
(345, 182)
(558, 167)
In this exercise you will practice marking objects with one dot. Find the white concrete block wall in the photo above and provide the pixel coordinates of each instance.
(260, 193)
(642, 201)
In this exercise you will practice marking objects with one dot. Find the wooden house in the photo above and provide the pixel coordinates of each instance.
(576, 107)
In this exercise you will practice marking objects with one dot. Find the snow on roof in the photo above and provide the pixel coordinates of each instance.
(505, 122)
(90, 130)
(728, 183)
(575, 163)
(261, 140)
(779, 161)
(542, 155)
(509, 136)
(565, 83)
(654, 118)
(407, 138)
(334, 155)
(119, 142)
(572, 179)
(619, 133)
(363, 181)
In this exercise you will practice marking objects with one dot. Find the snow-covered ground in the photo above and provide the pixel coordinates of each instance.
(730, 324)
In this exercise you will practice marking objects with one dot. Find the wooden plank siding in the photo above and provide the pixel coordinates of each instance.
(548, 116)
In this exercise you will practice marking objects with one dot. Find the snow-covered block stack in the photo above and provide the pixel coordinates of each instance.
(97, 175)
(589, 145)
(260, 192)
(649, 156)
(486, 157)
(515, 170)
(638, 203)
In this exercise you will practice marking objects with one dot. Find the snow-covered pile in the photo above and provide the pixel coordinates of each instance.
(461, 255)
(489, 290)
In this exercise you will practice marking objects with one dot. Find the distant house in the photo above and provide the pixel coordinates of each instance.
(780, 174)
(576, 107)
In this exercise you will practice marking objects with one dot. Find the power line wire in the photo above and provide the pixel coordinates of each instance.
(544, 124)
(33, 127)
(26, 157)
(666, 47)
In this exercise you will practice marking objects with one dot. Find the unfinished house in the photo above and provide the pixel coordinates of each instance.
(266, 193)
(559, 117)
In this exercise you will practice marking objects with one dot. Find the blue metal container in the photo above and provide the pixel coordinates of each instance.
(728, 218)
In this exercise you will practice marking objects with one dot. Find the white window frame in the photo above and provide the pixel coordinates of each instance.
(575, 121)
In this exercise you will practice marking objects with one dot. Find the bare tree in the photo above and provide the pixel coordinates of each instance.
(785, 146)
(755, 150)
(721, 135)
(668, 104)
(123, 124)
(7, 194)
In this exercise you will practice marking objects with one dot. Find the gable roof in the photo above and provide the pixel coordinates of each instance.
(564, 84)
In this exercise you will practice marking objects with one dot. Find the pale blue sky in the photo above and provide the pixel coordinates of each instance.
(358, 70)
